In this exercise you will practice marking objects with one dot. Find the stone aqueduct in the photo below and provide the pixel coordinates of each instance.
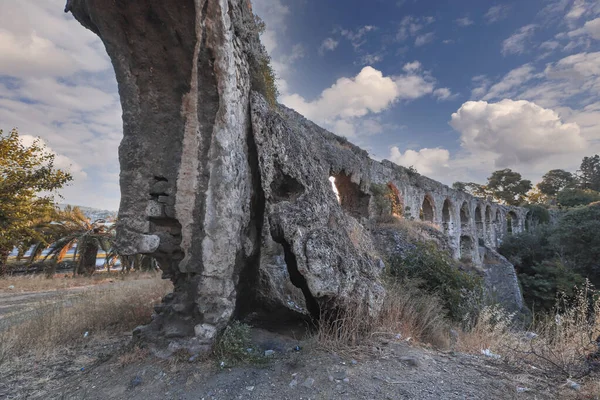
(468, 221)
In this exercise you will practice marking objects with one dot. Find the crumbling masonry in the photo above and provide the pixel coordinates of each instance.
(233, 195)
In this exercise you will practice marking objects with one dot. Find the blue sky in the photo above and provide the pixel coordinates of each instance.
(455, 89)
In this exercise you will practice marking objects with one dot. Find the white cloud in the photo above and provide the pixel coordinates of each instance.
(480, 86)
(328, 44)
(58, 84)
(497, 13)
(426, 161)
(424, 39)
(465, 21)
(591, 28)
(515, 132)
(511, 82)
(342, 106)
(410, 26)
(412, 66)
(357, 37)
(517, 43)
(60, 161)
(442, 93)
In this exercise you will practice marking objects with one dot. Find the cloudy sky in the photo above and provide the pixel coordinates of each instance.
(455, 89)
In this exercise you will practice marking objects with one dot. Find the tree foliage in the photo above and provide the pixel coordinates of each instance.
(554, 181)
(28, 182)
(554, 258)
(577, 237)
(589, 173)
(472, 188)
(437, 272)
(577, 197)
(508, 187)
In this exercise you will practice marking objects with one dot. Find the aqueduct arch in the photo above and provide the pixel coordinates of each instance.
(427, 212)
(447, 216)
(465, 216)
(512, 222)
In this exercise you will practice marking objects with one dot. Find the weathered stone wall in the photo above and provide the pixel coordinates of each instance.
(233, 195)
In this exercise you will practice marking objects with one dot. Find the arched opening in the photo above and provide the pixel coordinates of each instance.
(512, 222)
(466, 248)
(488, 225)
(464, 216)
(396, 200)
(479, 224)
(446, 216)
(427, 210)
(353, 200)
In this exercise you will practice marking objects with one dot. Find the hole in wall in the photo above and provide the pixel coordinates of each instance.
(353, 200)
(427, 210)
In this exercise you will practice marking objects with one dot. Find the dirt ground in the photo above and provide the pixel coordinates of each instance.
(390, 370)
(110, 367)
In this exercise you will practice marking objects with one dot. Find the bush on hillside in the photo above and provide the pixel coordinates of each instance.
(577, 197)
(436, 272)
(577, 238)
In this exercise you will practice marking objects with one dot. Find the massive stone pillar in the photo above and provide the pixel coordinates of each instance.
(188, 187)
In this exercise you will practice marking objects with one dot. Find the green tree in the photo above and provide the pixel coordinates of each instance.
(474, 189)
(554, 181)
(577, 237)
(577, 197)
(508, 187)
(28, 182)
(589, 173)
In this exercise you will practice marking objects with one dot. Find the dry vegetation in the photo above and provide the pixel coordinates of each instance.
(96, 311)
(38, 283)
(408, 314)
(562, 344)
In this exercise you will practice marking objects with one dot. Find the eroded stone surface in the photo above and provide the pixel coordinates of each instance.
(234, 196)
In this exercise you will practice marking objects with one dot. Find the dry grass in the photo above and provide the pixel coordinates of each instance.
(99, 310)
(134, 355)
(39, 283)
(413, 313)
(408, 313)
(562, 340)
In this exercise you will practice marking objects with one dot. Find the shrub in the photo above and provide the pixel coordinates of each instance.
(577, 237)
(386, 200)
(235, 346)
(577, 197)
(558, 343)
(542, 283)
(539, 214)
(438, 273)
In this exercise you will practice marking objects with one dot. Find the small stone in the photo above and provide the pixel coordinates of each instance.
(293, 383)
(574, 385)
(269, 353)
(11, 287)
(205, 331)
(346, 380)
(193, 358)
(412, 361)
(308, 383)
(249, 388)
(353, 362)
(339, 375)
(330, 378)
(136, 381)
